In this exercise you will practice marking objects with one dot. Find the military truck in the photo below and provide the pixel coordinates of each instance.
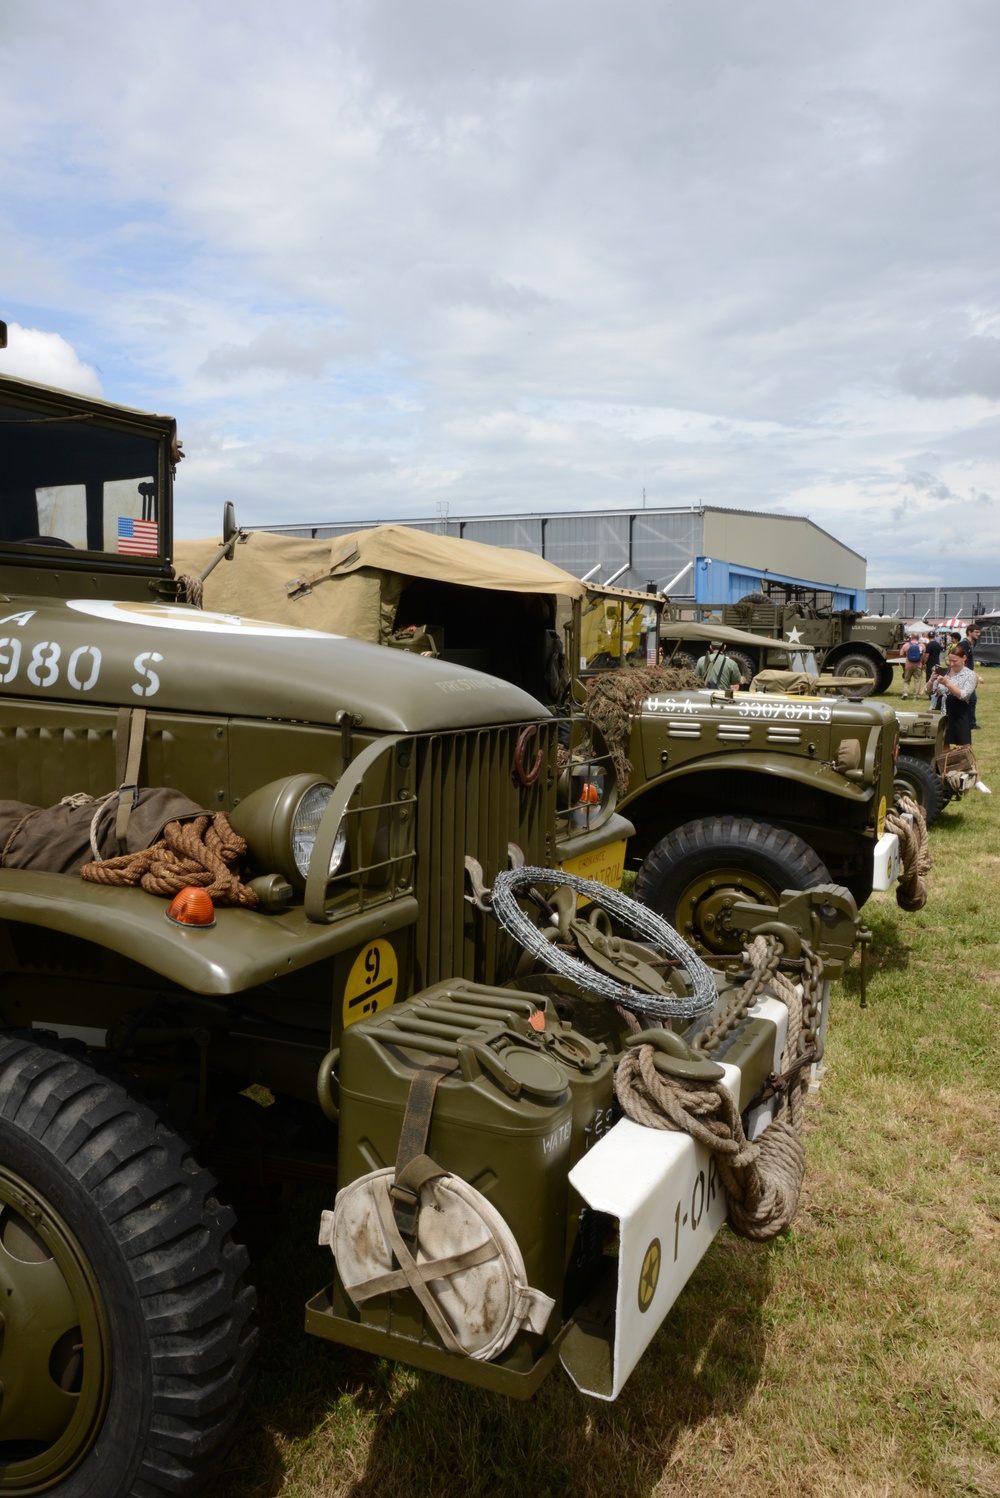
(846, 643)
(731, 797)
(374, 1008)
(988, 646)
(917, 772)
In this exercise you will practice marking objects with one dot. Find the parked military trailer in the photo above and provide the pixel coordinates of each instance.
(380, 796)
(731, 798)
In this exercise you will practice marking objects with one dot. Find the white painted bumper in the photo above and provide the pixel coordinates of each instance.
(664, 1190)
(886, 861)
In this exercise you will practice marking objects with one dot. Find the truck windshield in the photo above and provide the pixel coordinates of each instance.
(70, 482)
(616, 632)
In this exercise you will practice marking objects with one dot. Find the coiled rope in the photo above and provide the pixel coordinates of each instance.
(914, 853)
(204, 851)
(190, 589)
(762, 1178)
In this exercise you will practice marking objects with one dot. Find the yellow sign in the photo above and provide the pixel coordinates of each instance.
(650, 1275)
(881, 818)
(371, 983)
(603, 865)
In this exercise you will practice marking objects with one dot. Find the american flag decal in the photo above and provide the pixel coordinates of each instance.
(138, 538)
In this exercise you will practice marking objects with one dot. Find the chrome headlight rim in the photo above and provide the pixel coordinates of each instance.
(280, 839)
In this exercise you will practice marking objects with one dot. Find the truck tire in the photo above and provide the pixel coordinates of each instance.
(916, 778)
(128, 1336)
(886, 678)
(745, 661)
(860, 666)
(680, 658)
(695, 870)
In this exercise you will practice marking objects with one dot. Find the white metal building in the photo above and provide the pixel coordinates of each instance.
(710, 555)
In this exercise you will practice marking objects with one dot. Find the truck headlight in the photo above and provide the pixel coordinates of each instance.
(280, 821)
(305, 825)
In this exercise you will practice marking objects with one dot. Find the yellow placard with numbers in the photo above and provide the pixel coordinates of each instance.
(372, 981)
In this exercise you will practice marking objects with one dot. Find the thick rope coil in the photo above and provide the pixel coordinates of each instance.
(204, 851)
(190, 589)
(914, 853)
(762, 1179)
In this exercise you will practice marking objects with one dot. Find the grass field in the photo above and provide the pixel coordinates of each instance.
(857, 1355)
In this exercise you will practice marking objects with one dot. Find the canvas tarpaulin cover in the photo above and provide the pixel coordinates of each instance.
(355, 581)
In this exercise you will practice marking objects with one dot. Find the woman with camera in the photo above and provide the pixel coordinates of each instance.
(957, 686)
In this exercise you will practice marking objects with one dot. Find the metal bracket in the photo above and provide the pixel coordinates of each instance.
(673, 1057)
(481, 896)
(347, 722)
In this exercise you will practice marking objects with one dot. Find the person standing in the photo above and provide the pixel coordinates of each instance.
(971, 643)
(913, 664)
(958, 685)
(932, 653)
(717, 669)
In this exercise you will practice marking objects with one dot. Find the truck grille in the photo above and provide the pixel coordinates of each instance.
(469, 801)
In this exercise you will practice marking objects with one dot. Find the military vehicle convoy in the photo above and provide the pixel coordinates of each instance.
(841, 641)
(285, 902)
(731, 797)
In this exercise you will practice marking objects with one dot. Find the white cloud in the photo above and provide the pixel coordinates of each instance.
(47, 358)
(537, 256)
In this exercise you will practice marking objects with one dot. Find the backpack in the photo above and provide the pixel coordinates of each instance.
(913, 651)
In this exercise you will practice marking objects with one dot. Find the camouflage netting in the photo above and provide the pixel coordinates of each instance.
(614, 698)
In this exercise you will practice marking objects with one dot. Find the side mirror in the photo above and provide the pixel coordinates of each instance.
(231, 533)
(230, 530)
(3, 335)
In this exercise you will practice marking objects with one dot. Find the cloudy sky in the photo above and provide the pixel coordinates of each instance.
(379, 256)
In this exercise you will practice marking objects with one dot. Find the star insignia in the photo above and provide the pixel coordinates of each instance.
(649, 1275)
(794, 637)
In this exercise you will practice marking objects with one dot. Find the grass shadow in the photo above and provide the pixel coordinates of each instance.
(437, 1438)
(300, 1378)
(427, 1437)
(889, 951)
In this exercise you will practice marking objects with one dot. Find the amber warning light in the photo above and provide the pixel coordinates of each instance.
(192, 907)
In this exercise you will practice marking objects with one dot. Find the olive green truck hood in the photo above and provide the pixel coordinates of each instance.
(186, 660)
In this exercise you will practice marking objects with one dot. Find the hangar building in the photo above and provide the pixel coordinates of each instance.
(700, 554)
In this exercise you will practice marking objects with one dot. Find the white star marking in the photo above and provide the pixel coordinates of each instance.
(793, 637)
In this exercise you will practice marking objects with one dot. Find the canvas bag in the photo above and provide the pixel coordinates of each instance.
(60, 839)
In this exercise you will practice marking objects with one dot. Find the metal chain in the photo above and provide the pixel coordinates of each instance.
(812, 1000)
(725, 1023)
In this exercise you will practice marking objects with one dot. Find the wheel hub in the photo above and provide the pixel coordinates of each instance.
(704, 908)
(55, 1371)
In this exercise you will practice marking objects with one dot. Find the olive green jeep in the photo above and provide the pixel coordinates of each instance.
(918, 770)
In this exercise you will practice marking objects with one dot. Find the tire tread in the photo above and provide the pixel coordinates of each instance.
(160, 1208)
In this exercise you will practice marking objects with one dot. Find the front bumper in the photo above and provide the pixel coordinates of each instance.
(886, 858)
